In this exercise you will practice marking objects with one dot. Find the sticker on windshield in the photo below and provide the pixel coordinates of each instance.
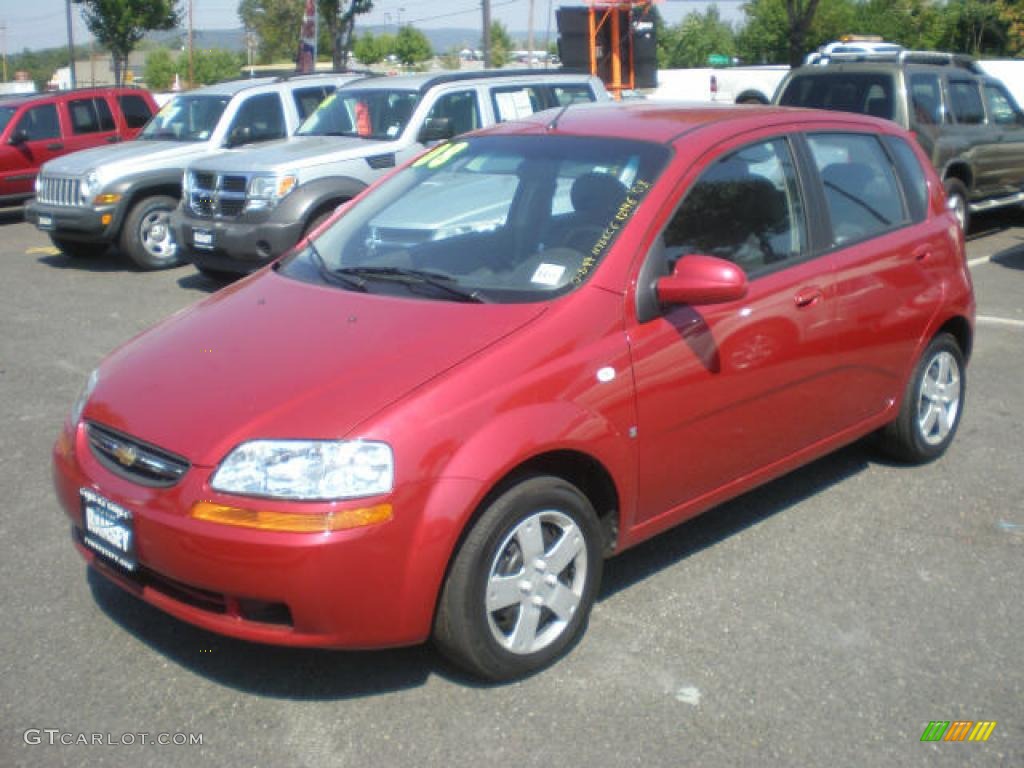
(548, 274)
(438, 157)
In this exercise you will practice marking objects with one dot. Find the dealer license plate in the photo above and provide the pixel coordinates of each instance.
(202, 238)
(46, 222)
(108, 529)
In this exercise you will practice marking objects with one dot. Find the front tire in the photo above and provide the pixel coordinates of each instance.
(522, 584)
(932, 405)
(147, 237)
(956, 201)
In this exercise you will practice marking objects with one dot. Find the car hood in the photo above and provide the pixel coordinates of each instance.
(119, 160)
(272, 357)
(295, 153)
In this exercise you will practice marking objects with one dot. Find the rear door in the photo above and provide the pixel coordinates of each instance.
(90, 123)
(977, 140)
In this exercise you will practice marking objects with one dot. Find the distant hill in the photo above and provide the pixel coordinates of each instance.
(441, 40)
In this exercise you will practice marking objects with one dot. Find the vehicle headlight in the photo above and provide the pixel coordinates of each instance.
(88, 186)
(83, 397)
(307, 469)
(268, 191)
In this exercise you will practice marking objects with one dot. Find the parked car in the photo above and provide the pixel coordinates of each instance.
(37, 127)
(967, 122)
(622, 316)
(122, 195)
(243, 209)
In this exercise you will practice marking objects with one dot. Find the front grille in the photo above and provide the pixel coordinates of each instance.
(216, 195)
(58, 190)
(135, 460)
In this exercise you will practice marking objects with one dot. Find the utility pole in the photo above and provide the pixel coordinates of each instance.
(529, 40)
(71, 44)
(3, 28)
(487, 32)
(191, 68)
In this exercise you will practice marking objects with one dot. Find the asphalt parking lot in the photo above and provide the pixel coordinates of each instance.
(824, 619)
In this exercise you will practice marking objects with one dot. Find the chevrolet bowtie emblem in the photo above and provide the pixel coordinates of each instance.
(126, 455)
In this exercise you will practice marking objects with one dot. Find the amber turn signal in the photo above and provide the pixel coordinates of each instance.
(292, 522)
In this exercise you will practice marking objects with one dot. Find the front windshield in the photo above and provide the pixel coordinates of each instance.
(491, 219)
(370, 113)
(6, 113)
(188, 117)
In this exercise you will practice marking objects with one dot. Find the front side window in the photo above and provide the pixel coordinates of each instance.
(260, 118)
(746, 208)
(370, 113)
(135, 109)
(39, 123)
(966, 102)
(459, 109)
(1001, 109)
(493, 219)
(861, 190)
(186, 117)
(308, 99)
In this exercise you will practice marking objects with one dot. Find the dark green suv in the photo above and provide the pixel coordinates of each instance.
(966, 121)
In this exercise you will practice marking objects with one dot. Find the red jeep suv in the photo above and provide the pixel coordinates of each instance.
(38, 127)
(530, 349)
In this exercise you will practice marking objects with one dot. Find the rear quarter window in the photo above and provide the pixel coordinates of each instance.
(912, 177)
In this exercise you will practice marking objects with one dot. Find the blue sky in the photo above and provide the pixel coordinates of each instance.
(42, 23)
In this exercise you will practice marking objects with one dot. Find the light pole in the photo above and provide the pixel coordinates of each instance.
(71, 44)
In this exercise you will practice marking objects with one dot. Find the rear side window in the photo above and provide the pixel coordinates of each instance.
(135, 110)
(866, 93)
(912, 177)
(861, 190)
(308, 99)
(512, 103)
(40, 123)
(966, 102)
(90, 116)
(926, 99)
(745, 208)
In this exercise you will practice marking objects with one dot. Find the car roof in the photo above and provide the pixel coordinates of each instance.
(16, 99)
(423, 81)
(663, 122)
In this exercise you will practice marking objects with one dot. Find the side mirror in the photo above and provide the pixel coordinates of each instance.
(700, 279)
(240, 134)
(436, 129)
(20, 136)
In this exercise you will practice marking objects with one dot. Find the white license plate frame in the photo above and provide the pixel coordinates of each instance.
(45, 222)
(203, 238)
(108, 529)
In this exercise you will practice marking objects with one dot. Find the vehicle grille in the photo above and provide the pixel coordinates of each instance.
(216, 195)
(59, 190)
(133, 459)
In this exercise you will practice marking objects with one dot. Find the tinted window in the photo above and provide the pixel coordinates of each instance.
(911, 175)
(571, 94)
(514, 102)
(926, 99)
(40, 123)
(6, 113)
(860, 186)
(745, 208)
(966, 102)
(83, 116)
(1001, 109)
(260, 118)
(864, 93)
(460, 109)
(135, 110)
(106, 117)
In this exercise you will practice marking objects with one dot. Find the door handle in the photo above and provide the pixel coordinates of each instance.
(55, 147)
(808, 297)
(923, 253)
(113, 139)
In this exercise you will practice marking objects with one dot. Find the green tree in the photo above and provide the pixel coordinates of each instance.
(412, 46)
(451, 59)
(976, 27)
(501, 44)
(339, 17)
(160, 69)
(369, 49)
(767, 35)
(276, 24)
(695, 38)
(213, 66)
(121, 24)
(915, 24)
(1012, 14)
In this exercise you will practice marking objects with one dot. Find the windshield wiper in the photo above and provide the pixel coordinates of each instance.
(415, 277)
(332, 276)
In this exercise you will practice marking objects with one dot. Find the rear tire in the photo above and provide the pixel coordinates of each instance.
(956, 201)
(932, 405)
(77, 249)
(522, 584)
(147, 238)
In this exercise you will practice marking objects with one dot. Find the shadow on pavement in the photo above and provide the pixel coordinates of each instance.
(992, 222)
(319, 675)
(197, 281)
(11, 215)
(1011, 257)
(110, 261)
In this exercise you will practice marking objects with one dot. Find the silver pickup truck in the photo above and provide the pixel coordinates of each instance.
(242, 209)
(123, 193)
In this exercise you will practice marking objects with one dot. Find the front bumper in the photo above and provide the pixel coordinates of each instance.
(239, 245)
(86, 224)
(344, 589)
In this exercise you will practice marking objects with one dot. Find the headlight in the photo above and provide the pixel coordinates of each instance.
(268, 191)
(88, 187)
(307, 469)
(83, 397)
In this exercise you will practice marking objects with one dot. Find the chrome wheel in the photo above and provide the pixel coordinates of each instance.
(536, 582)
(958, 205)
(938, 399)
(155, 235)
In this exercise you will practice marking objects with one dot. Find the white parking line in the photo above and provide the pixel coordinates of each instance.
(986, 320)
(978, 261)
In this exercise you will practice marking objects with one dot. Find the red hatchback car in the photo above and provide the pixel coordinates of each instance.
(530, 349)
